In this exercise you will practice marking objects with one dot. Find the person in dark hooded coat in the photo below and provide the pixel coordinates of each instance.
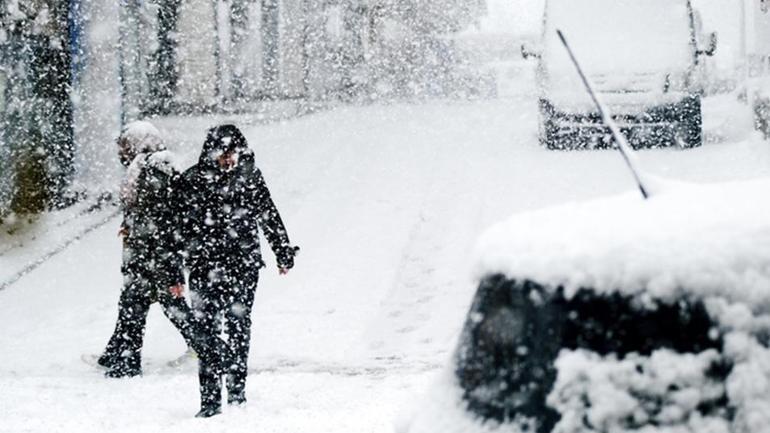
(224, 202)
(152, 260)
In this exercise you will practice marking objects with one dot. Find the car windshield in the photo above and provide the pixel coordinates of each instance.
(611, 36)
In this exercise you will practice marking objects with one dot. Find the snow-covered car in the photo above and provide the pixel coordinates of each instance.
(644, 58)
(617, 315)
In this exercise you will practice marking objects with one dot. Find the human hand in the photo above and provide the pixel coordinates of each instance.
(177, 290)
(286, 259)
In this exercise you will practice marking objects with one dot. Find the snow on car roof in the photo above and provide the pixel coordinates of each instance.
(696, 240)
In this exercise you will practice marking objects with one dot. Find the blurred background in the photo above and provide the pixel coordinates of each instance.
(73, 71)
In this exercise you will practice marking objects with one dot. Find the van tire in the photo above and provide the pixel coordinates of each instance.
(690, 129)
(548, 137)
(548, 130)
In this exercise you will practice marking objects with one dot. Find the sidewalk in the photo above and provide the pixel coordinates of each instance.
(28, 242)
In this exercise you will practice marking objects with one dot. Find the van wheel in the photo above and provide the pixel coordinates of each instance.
(690, 130)
(548, 137)
(547, 133)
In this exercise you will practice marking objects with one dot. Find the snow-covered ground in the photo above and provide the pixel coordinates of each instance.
(386, 203)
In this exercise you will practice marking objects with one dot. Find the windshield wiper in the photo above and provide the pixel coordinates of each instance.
(620, 141)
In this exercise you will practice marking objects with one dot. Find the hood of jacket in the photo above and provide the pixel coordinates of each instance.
(221, 139)
(142, 137)
(137, 138)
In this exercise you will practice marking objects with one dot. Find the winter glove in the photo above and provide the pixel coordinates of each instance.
(285, 258)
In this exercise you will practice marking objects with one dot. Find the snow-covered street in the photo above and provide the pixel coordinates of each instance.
(386, 202)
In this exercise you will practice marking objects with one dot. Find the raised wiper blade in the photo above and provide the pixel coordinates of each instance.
(620, 140)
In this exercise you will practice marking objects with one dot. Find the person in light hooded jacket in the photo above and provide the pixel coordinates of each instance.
(152, 263)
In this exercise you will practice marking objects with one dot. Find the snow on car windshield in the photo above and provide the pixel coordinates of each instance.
(619, 36)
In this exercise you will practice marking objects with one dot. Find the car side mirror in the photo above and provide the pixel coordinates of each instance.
(712, 46)
(528, 52)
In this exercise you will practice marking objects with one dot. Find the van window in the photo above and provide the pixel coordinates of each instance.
(611, 36)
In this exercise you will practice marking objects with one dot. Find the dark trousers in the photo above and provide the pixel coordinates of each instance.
(123, 352)
(221, 294)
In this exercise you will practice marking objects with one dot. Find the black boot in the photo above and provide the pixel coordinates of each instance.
(127, 366)
(106, 361)
(236, 392)
(208, 411)
(237, 399)
(119, 371)
(211, 392)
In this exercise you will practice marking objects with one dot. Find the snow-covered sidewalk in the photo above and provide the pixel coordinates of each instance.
(386, 202)
(26, 244)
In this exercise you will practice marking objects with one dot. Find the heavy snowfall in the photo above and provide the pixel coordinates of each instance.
(392, 136)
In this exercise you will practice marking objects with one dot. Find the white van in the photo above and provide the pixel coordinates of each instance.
(643, 58)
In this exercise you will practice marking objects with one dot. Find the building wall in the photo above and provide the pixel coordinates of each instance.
(291, 81)
(196, 54)
(198, 57)
(98, 100)
(762, 26)
(5, 156)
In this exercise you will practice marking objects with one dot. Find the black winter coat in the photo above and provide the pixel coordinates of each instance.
(222, 212)
(151, 251)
